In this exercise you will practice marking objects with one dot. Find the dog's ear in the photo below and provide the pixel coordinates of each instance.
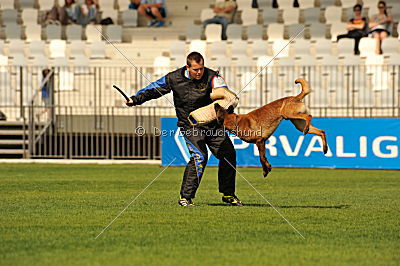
(230, 109)
(217, 106)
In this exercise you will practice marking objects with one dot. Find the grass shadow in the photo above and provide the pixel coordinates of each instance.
(288, 207)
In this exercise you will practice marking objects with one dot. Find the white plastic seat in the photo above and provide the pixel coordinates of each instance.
(277, 47)
(243, 4)
(269, 16)
(390, 45)
(114, 33)
(29, 16)
(311, 15)
(333, 14)
(13, 31)
(193, 32)
(255, 32)
(36, 47)
(77, 48)
(33, 32)
(239, 48)
(275, 31)
(306, 3)
(218, 48)
(7, 4)
(74, 32)
(367, 46)
(295, 30)
(46, 4)
(130, 18)
(53, 31)
(16, 47)
(198, 46)
(291, 16)
(317, 31)
(349, 3)
(23, 4)
(2, 47)
(213, 32)
(302, 47)
(9, 16)
(249, 16)
(345, 46)
(97, 49)
(234, 32)
(259, 48)
(19, 60)
(338, 28)
(326, 3)
(107, 4)
(176, 48)
(323, 47)
(92, 32)
(57, 48)
(40, 60)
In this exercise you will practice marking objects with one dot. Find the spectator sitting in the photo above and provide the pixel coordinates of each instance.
(61, 15)
(224, 12)
(154, 10)
(380, 26)
(86, 13)
(134, 4)
(357, 28)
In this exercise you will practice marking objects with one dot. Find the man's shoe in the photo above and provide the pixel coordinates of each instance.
(232, 200)
(160, 24)
(186, 202)
(152, 23)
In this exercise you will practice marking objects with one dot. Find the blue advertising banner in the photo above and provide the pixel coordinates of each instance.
(370, 143)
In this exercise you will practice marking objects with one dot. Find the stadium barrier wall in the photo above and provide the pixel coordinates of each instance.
(370, 143)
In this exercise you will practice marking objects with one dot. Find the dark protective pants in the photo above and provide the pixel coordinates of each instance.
(197, 139)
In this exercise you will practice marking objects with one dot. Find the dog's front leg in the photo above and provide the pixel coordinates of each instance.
(263, 159)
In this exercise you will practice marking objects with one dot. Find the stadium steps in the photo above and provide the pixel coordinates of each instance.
(13, 139)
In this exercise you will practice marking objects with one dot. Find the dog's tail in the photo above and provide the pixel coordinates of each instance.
(305, 88)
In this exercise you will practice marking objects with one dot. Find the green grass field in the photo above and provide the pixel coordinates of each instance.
(51, 214)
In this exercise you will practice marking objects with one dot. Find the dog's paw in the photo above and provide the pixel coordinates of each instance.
(266, 171)
(306, 129)
(325, 149)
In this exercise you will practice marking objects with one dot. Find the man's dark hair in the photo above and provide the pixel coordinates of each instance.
(197, 57)
(357, 6)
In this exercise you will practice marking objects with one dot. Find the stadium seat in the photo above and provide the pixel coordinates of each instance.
(107, 4)
(306, 60)
(395, 11)
(317, 31)
(52, 31)
(295, 30)
(130, 18)
(194, 32)
(199, 46)
(326, 3)
(367, 46)
(337, 28)
(259, 48)
(16, 47)
(92, 32)
(333, 14)
(306, 4)
(249, 16)
(370, 3)
(9, 16)
(33, 32)
(206, 13)
(7, 4)
(81, 64)
(243, 4)
(390, 45)
(57, 48)
(221, 61)
(275, 31)
(40, 60)
(255, 32)
(350, 60)
(36, 47)
(345, 47)
(97, 49)
(213, 32)
(217, 48)
(234, 32)
(277, 47)
(285, 5)
(46, 4)
(77, 48)
(348, 3)
(74, 32)
(22, 4)
(302, 47)
(2, 47)
(323, 47)
(29, 16)
(269, 16)
(176, 48)
(13, 31)
(114, 33)
(239, 48)
(291, 16)
(310, 15)
(178, 61)
(19, 60)
(161, 65)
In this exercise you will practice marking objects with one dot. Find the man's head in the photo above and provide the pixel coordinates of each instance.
(195, 65)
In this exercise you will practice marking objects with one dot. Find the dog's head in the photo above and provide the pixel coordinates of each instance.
(222, 112)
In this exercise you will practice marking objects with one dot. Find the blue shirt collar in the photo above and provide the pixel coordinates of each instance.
(187, 74)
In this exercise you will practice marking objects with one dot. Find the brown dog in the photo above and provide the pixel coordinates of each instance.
(258, 125)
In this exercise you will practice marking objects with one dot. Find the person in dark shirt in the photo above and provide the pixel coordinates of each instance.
(357, 28)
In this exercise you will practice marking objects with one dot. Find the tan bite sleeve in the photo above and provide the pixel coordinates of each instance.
(206, 114)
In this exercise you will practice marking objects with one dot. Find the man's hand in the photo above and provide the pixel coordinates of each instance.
(131, 102)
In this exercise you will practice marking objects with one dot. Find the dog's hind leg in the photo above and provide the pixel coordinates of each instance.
(305, 118)
(300, 124)
(263, 159)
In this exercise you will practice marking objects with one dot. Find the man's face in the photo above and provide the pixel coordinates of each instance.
(196, 70)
